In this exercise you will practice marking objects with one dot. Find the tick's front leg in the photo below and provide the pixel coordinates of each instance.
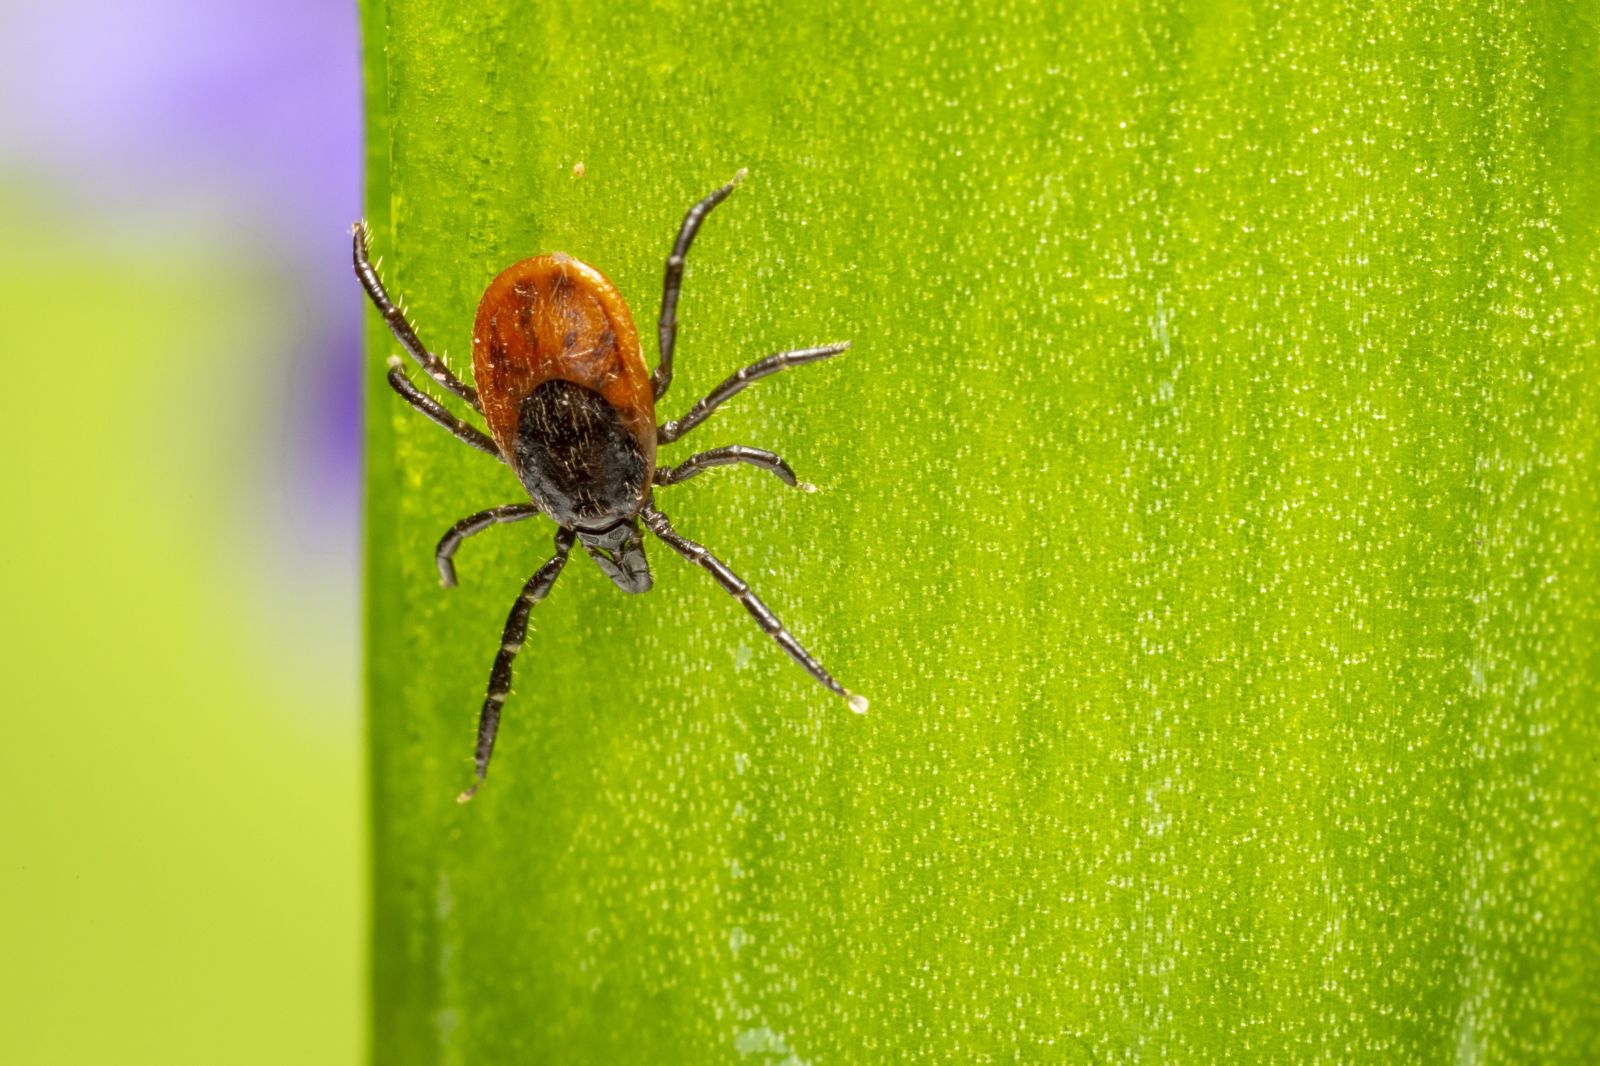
(511, 639)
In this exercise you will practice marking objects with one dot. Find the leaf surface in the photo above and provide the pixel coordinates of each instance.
(1208, 508)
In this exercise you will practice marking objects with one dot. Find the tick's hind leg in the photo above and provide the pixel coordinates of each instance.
(431, 364)
(465, 432)
(444, 555)
(697, 554)
(667, 324)
(733, 453)
(671, 431)
(511, 639)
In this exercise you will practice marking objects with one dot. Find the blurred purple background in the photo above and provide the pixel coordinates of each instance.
(241, 121)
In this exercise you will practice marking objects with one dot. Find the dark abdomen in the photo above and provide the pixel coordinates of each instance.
(576, 458)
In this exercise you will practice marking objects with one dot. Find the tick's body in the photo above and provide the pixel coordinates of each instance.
(565, 390)
(570, 406)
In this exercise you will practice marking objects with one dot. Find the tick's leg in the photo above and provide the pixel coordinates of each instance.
(431, 364)
(445, 553)
(733, 453)
(763, 615)
(667, 324)
(463, 432)
(671, 431)
(516, 632)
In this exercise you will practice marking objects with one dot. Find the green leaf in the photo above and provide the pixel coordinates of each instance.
(1208, 508)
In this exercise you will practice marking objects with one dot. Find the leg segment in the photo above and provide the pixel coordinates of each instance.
(740, 591)
(396, 320)
(671, 431)
(733, 453)
(667, 325)
(445, 553)
(462, 431)
(516, 632)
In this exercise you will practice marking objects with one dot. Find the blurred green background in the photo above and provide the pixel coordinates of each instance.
(179, 767)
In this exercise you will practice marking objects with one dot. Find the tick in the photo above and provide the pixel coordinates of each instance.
(571, 409)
